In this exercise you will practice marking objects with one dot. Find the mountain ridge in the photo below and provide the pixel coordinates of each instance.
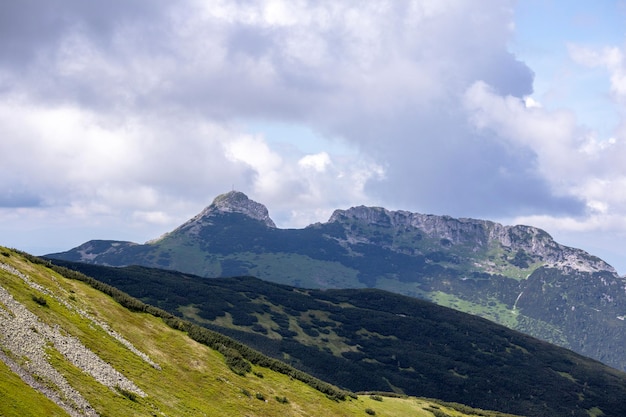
(457, 230)
(517, 276)
(231, 202)
(481, 233)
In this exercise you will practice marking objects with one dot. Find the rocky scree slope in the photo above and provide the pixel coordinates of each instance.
(25, 338)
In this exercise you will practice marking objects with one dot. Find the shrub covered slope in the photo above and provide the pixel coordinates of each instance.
(372, 340)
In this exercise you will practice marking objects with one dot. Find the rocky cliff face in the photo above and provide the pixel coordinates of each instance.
(238, 202)
(479, 234)
(231, 202)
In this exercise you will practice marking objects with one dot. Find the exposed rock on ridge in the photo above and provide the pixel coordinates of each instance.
(478, 233)
(515, 275)
(231, 202)
(23, 335)
(238, 202)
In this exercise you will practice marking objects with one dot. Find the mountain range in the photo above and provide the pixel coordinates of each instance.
(517, 276)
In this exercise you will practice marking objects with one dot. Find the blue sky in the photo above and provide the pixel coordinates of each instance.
(123, 121)
(543, 31)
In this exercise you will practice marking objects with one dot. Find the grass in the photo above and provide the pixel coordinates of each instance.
(498, 258)
(330, 340)
(23, 400)
(293, 268)
(285, 268)
(493, 310)
(191, 256)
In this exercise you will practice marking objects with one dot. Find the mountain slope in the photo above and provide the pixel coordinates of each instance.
(368, 339)
(517, 276)
(69, 349)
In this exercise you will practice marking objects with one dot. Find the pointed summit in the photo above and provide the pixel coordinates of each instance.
(230, 202)
(238, 202)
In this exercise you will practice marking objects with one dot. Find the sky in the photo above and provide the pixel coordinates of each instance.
(123, 119)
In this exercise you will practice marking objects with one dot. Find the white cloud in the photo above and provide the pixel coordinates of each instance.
(317, 162)
(132, 113)
(254, 152)
(140, 104)
(530, 102)
(553, 136)
(610, 58)
(66, 153)
(156, 217)
(302, 186)
(572, 159)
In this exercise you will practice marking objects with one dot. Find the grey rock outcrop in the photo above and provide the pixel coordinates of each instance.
(476, 233)
(238, 202)
(24, 335)
(231, 202)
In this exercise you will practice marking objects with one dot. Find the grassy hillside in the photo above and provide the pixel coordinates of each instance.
(158, 370)
(374, 340)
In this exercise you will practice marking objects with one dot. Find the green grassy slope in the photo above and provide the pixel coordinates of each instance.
(173, 374)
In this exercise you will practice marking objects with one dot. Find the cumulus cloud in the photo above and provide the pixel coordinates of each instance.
(317, 162)
(611, 58)
(572, 159)
(133, 111)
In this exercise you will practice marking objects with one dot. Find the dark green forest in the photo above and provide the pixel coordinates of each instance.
(372, 340)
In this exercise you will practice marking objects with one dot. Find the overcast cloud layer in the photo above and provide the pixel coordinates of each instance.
(122, 119)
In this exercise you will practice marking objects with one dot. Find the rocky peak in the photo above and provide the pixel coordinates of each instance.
(238, 202)
(371, 215)
(478, 233)
(457, 231)
(230, 202)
